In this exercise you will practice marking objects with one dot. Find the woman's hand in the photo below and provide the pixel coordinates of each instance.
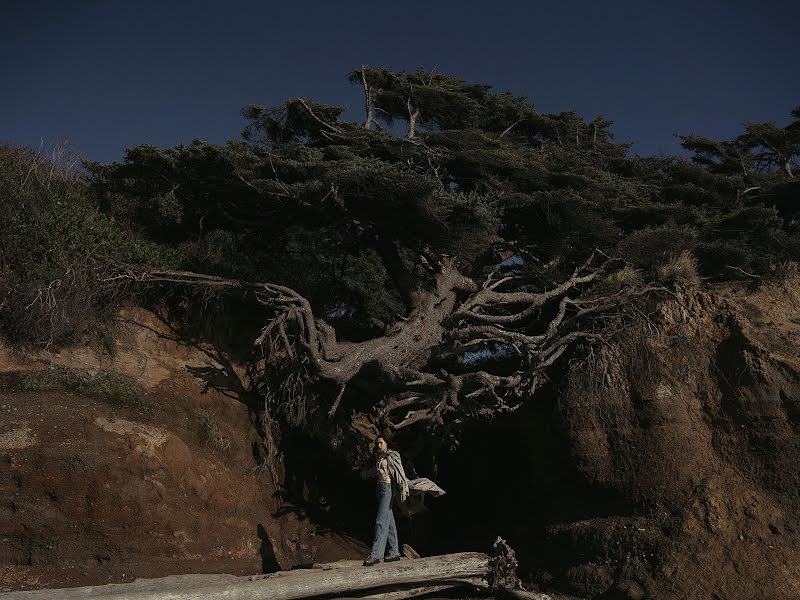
(403, 496)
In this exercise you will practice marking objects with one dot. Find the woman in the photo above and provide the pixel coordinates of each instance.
(386, 461)
(392, 481)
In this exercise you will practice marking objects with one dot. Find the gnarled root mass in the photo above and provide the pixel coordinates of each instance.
(426, 368)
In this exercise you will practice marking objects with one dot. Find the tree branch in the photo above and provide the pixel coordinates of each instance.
(367, 100)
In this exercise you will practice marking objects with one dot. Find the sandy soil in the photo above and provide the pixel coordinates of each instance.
(95, 492)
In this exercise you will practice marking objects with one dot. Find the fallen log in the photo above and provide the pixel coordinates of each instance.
(309, 568)
(468, 585)
(408, 553)
(305, 583)
(474, 585)
(526, 595)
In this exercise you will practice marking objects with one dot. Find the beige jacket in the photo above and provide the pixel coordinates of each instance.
(403, 486)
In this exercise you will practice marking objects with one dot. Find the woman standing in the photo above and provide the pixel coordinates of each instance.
(386, 461)
(392, 482)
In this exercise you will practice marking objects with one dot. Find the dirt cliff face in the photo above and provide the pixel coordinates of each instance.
(664, 464)
(136, 461)
(691, 425)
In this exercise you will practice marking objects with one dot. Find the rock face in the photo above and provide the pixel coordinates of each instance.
(115, 482)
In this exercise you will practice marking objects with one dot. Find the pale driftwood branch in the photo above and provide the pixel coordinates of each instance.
(411, 591)
(510, 127)
(526, 595)
(463, 585)
(414, 416)
(743, 271)
(447, 570)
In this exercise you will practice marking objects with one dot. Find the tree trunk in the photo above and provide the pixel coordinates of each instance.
(367, 100)
(525, 595)
(409, 343)
(787, 168)
(464, 585)
(412, 120)
(447, 570)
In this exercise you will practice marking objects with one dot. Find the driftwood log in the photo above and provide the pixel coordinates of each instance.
(389, 581)
(468, 586)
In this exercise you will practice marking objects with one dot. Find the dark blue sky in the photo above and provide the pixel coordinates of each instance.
(109, 75)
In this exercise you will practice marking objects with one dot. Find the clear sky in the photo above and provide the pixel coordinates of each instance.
(106, 75)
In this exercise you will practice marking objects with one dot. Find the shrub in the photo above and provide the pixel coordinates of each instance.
(749, 241)
(56, 250)
(681, 270)
(723, 259)
(627, 276)
(647, 248)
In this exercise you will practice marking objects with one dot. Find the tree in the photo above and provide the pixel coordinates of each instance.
(763, 147)
(420, 280)
(728, 158)
(775, 148)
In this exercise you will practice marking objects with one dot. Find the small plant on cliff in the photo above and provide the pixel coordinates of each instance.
(681, 270)
(626, 277)
(212, 432)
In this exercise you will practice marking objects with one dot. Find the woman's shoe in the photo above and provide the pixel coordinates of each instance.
(392, 558)
(371, 561)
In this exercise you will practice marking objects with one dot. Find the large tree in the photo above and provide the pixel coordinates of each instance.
(423, 275)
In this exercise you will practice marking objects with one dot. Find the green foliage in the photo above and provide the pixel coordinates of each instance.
(299, 119)
(752, 239)
(626, 277)
(722, 257)
(727, 158)
(354, 216)
(54, 248)
(762, 148)
(442, 101)
(648, 248)
(559, 225)
(113, 388)
(462, 222)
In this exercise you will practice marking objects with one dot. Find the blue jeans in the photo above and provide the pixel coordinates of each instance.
(385, 528)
